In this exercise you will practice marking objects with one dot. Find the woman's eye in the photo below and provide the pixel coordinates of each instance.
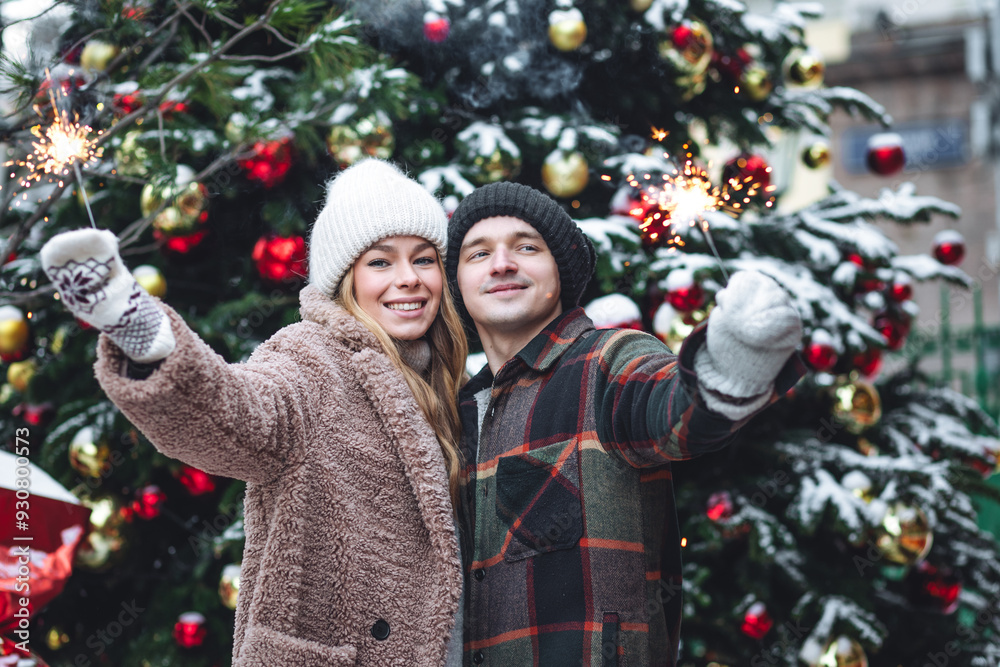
(425, 261)
(378, 263)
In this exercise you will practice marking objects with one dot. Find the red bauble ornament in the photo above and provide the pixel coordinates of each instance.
(270, 163)
(126, 103)
(902, 289)
(893, 328)
(683, 292)
(179, 245)
(885, 153)
(720, 506)
(866, 280)
(436, 27)
(939, 587)
(868, 362)
(949, 247)
(732, 64)
(190, 630)
(171, 107)
(820, 352)
(197, 482)
(148, 502)
(34, 415)
(280, 259)
(746, 179)
(757, 622)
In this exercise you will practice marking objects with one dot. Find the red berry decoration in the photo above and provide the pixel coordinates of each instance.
(868, 362)
(190, 630)
(197, 482)
(436, 27)
(732, 64)
(902, 288)
(270, 163)
(720, 506)
(683, 292)
(280, 259)
(148, 502)
(939, 587)
(757, 622)
(893, 328)
(949, 247)
(820, 353)
(885, 153)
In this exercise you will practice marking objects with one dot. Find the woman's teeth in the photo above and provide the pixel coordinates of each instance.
(404, 306)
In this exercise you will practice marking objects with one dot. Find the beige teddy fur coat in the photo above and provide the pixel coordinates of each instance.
(351, 553)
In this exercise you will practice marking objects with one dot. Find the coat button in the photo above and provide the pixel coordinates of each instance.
(380, 630)
(479, 573)
(478, 657)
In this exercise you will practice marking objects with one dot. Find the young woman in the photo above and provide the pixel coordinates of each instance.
(344, 426)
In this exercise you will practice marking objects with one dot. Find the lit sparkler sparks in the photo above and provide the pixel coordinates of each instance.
(685, 195)
(60, 147)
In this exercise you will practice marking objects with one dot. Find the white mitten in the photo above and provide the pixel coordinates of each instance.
(92, 281)
(752, 331)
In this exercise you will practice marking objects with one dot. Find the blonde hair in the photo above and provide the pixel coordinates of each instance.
(438, 397)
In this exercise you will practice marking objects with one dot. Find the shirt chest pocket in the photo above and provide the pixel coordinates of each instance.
(538, 500)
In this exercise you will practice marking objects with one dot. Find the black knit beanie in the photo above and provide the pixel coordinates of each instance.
(573, 252)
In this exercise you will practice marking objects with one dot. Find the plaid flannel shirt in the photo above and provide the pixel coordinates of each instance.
(571, 543)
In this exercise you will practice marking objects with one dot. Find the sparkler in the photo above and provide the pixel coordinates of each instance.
(60, 147)
(685, 195)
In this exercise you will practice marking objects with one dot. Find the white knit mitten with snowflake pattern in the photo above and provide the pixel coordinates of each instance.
(86, 269)
(752, 331)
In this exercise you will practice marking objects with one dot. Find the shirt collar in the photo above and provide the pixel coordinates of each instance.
(545, 349)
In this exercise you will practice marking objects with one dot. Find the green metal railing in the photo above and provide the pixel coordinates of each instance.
(979, 376)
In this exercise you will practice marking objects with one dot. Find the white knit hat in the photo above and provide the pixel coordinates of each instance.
(365, 203)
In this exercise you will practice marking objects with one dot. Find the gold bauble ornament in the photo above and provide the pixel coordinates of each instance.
(816, 155)
(498, 166)
(842, 652)
(150, 279)
(857, 404)
(691, 86)
(639, 5)
(567, 30)
(131, 156)
(672, 326)
(904, 535)
(689, 47)
(188, 201)
(805, 68)
(756, 83)
(367, 137)
(565, 173)
(20, 373)
(97, 54)
(229, 585)
(105, 542)
(14, 333)
(56, 638)
(87, 455)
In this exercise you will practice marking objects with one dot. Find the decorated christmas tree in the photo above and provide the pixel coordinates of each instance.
(839, 529)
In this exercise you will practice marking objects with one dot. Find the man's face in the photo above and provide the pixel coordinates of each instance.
(508, 278)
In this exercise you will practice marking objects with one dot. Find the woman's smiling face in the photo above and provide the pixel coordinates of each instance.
(398, 282)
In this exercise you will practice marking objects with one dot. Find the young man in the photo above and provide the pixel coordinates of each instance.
(571, 541)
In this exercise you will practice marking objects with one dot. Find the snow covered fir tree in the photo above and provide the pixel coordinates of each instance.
(840, 529)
